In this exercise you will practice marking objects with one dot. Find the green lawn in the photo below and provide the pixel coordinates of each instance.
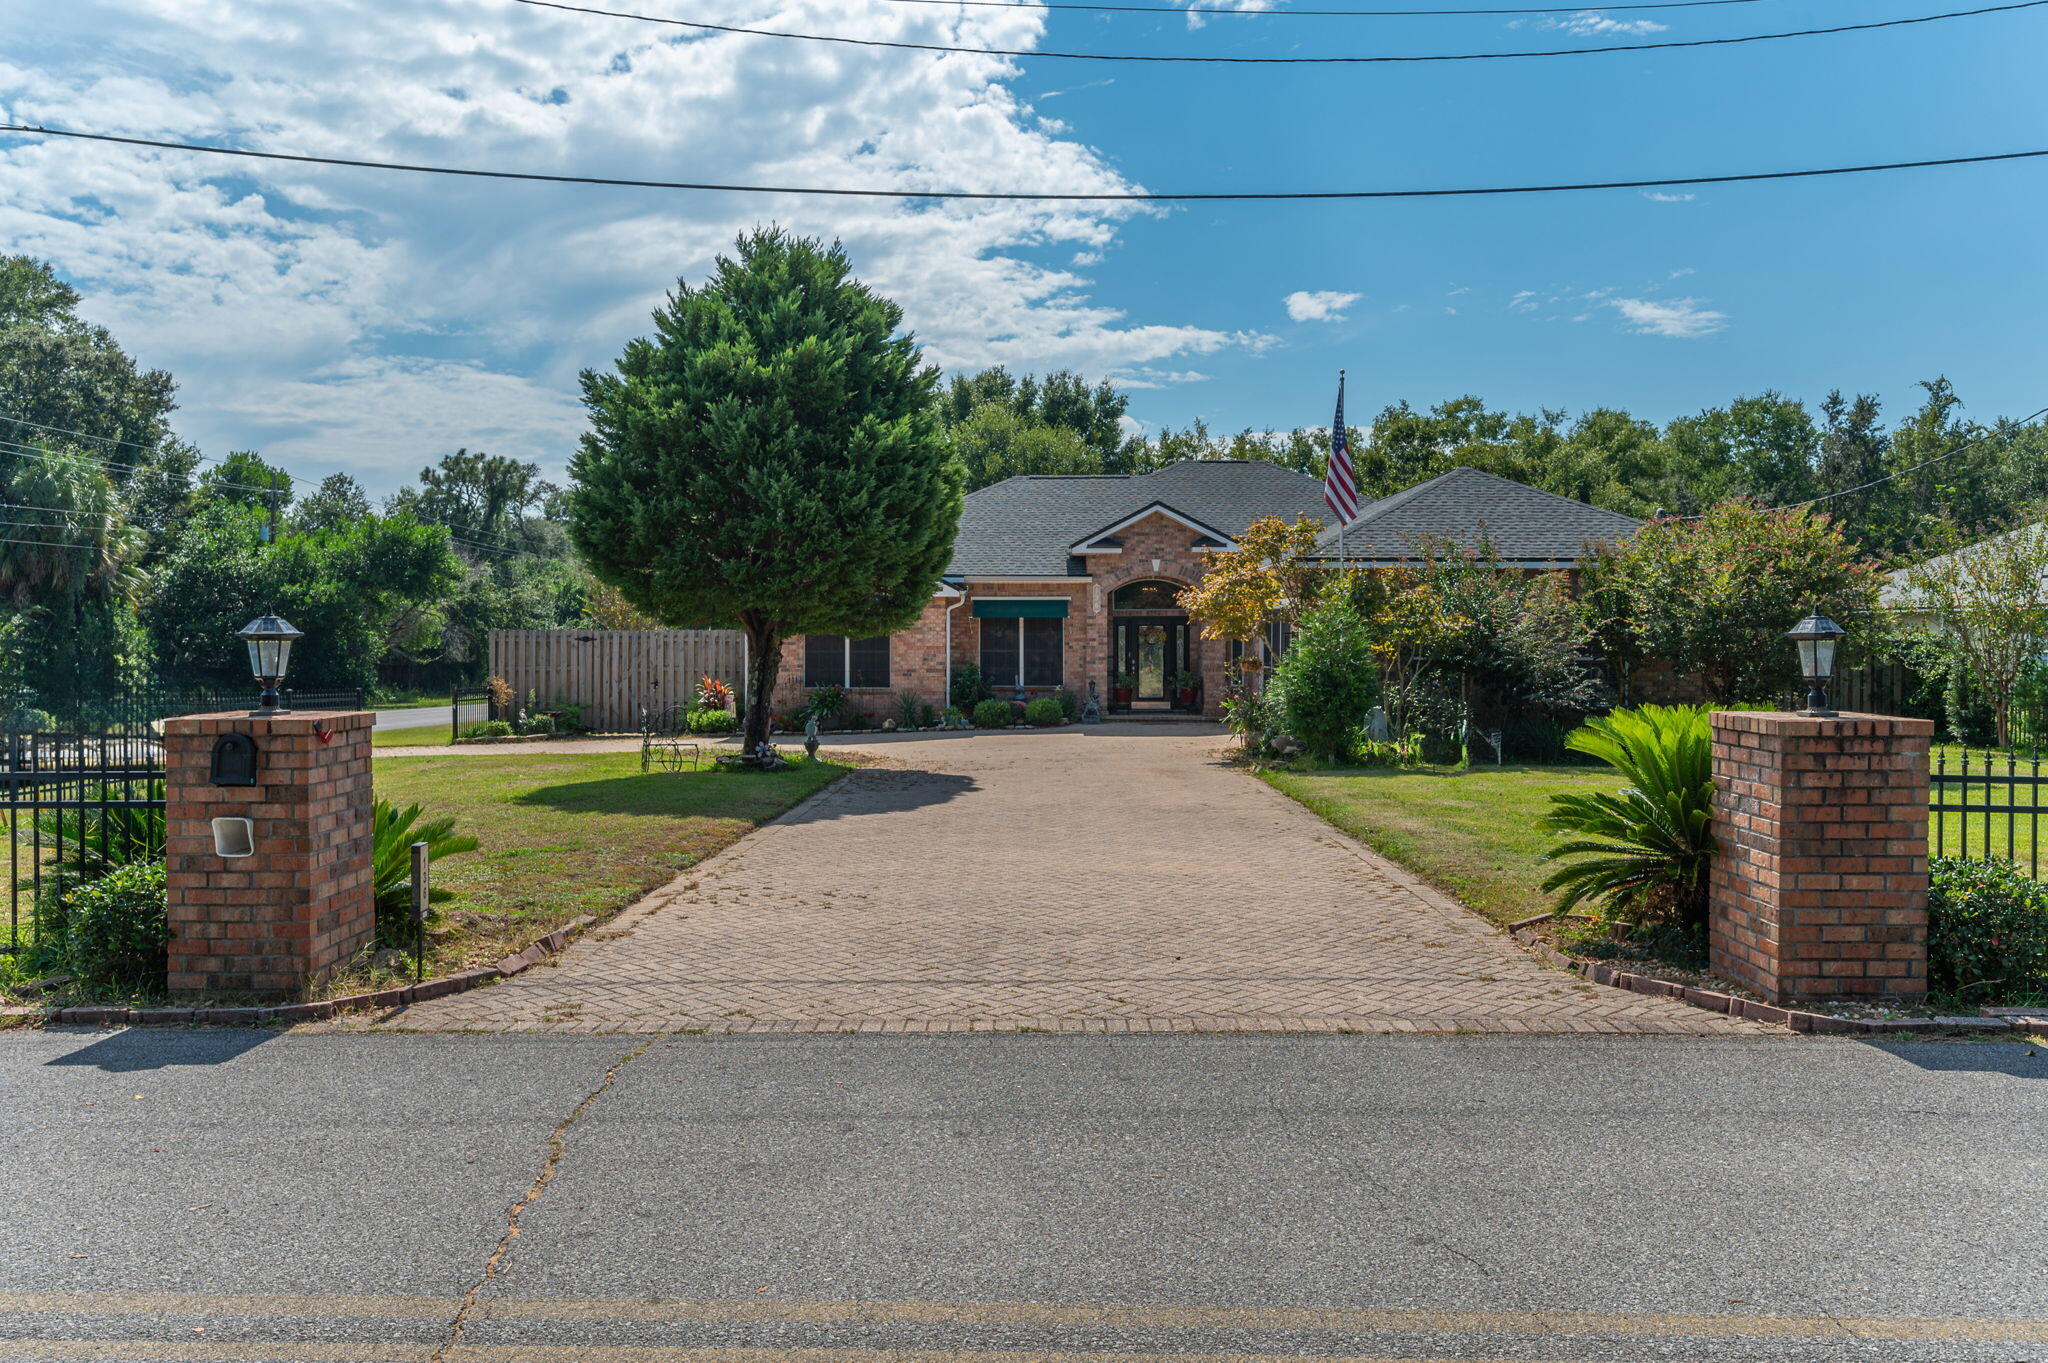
(1471, 833)
(568, 834)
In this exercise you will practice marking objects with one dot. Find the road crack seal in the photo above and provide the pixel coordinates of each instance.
(558, 1145)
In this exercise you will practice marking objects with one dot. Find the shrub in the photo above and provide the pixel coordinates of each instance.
(954, 718)
(501, 693)
(927, 715)
(1987, 931)
(393, 832)
(709, 721)
(116, 931)
(993, 714)
(713, 694)
(1643, 851)
(908, 708)
(970, 688)
(489, 728)
(1043, 712)
(1070, 704)
(537, 724)
(1326, 685)
(858, 721)
(568, 715)
(827, 701)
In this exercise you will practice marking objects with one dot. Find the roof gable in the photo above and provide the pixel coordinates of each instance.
(1029, 526)
(1103, 541)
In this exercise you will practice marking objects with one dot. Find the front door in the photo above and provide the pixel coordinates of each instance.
(1150, 653)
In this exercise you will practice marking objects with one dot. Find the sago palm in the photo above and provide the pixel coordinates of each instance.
(394, 831)
(1643, 851)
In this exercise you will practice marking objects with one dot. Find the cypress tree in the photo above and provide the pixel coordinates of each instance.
(770, 459)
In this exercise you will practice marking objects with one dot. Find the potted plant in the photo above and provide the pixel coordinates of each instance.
(1121, 686)
(1187, 687)
(827, 703)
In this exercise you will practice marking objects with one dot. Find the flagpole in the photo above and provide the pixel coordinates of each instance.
(1341, 555)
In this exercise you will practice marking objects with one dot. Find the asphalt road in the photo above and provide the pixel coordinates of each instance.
(845, 1199)
(415, 717)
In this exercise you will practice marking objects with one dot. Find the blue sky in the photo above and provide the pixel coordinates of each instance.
(365, 322)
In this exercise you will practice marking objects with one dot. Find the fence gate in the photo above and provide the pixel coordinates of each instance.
(614, 673)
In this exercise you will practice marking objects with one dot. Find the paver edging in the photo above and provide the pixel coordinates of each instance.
(1719, 1001)
(547, 945)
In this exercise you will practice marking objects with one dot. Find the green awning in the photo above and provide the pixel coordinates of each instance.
(1001, 608)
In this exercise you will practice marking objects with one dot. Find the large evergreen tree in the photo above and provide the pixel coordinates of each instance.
(770, 458)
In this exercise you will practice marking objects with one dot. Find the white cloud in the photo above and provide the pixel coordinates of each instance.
(368, 320)
(1076, 89)
(1462, 288)
(1525, 301)
(1319, 305)
(1681, 317)
(1654, 197)
(1593, 23)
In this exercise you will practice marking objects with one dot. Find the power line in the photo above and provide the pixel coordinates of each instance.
(2003, 428)
(1279, 61)
(1315, 13)
(45, 455)
(1012, 195)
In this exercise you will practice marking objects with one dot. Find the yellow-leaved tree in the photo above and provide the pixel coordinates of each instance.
(1271, 575)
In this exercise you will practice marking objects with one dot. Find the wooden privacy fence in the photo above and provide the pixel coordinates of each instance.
(613, 673)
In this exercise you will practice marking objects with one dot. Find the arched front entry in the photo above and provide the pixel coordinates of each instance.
(1151, 653)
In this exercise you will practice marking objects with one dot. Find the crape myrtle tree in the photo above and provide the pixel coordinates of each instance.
(769, 459)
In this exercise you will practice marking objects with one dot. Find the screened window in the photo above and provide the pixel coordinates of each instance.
(835, 660)
(1023, 652)
(1000, 659)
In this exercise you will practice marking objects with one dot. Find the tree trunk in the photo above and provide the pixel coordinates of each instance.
(2001, 717)
(764, 654)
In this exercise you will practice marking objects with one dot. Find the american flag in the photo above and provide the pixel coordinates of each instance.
(1340, 483)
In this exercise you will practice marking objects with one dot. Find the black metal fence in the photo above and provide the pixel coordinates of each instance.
(82, 790)
(1986, 804)
(136, 711)
(76, 806)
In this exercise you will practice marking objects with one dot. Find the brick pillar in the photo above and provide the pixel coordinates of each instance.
(269, 923)
(1820, 890)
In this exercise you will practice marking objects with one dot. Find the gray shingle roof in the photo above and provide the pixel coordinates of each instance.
(1524, 524)
(1026, 526)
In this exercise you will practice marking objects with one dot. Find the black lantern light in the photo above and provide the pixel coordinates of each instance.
(270, 652)
(1816, 637)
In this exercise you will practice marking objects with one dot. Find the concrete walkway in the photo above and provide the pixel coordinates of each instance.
(1119, 878)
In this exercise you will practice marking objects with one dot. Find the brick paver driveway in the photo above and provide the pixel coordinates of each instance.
(1117, 878)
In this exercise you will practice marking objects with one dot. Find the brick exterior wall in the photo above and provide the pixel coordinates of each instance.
(1820, 888)
(1157, 548)
(268, 924)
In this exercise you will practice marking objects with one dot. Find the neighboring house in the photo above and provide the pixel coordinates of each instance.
(1070, 580)
(1910, 611)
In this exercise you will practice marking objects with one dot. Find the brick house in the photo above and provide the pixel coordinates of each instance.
(1068, 581)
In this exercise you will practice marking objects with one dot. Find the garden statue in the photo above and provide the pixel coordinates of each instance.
(1378, 727)
(811, 736)
(1091, 708)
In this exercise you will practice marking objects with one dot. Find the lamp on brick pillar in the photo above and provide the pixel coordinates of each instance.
(1816, 637)
(270, 653)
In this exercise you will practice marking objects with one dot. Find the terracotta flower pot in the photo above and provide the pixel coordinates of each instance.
(1121, 695)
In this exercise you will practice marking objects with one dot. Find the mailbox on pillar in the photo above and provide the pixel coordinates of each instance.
(233, 761)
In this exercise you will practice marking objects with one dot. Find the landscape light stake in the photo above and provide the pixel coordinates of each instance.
(419, 912)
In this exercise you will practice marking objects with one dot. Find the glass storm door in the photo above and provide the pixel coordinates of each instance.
(1150, 652)
(1151, 668)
